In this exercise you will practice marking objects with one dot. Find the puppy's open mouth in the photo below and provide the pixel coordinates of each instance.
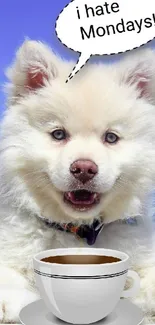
(82, 199)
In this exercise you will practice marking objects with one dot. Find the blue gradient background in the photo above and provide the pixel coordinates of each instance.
(35, 20)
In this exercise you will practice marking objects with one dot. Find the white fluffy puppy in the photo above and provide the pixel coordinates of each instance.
(73, 153)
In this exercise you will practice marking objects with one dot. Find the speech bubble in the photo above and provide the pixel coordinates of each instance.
(95, 27)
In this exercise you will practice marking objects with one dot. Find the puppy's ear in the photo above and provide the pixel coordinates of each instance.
(34, 66)
(138, 71)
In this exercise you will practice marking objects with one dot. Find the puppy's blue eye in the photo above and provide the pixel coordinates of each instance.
(111, 137)
(59, 135)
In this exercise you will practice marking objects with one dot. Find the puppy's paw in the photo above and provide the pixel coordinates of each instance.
(146, 297)
(12, 301)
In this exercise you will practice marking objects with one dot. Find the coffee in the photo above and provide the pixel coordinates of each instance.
(81, 259)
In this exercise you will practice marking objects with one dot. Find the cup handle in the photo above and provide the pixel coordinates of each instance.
(131, 292)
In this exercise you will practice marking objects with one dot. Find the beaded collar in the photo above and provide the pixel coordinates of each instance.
(89, 233)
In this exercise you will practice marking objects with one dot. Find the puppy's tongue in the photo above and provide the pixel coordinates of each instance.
(81, 197)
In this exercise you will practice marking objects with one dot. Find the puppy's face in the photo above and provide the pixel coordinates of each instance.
(81, 149)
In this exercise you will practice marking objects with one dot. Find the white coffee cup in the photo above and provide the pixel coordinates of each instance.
(83, 293)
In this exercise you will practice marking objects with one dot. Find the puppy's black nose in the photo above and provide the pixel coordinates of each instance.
(84, 170)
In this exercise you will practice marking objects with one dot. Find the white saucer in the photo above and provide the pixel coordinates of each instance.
(126, 313)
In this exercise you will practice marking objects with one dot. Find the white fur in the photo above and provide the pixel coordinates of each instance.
(34, 169)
